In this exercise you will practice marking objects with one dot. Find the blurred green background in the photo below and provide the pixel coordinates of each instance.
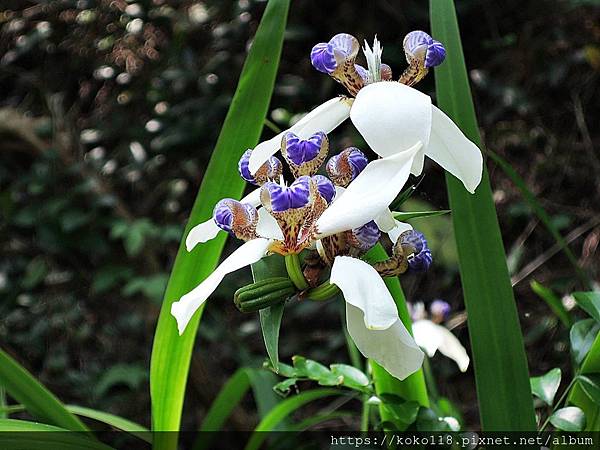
(109, 111)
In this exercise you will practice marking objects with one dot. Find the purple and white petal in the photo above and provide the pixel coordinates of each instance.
(279, 198)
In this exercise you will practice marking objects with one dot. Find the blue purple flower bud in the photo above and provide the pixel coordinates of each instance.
(325, 187)
(345, 167)
(300, 151)
(366, 236)
(327, 56)
(270, 170)
(440, 309)
(419, 45)
(238, 219)
(278, 198)
(421, 259)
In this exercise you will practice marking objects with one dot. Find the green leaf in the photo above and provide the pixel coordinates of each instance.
(270, 323)
(270, 318)
(284, 388)
(21, 434)
(570, 418)
(130, 375)
(242, 128)
(545, 387)
(38, 400)
(579, 397)
(400, 412)
(501, 374)
(589, 302)
(428, 420)
(582, 336)
(114, 421)
(541, 214)
(404, 216)
(282, 411)
(316, 371)
(553, 302)
(229, 397)
(351, 376)
(591, 386)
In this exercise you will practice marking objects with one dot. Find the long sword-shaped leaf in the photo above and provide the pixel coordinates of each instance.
(21, 434)
(38, 400)
(505, 401)
(171, 353)
(114, 421)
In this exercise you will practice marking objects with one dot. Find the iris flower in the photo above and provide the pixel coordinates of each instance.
(391, 116)
(341, 215)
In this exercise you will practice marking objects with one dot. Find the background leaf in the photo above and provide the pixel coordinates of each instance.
(582, 336)
(570, 418)
(38, 400)
(499, 358)
(241, 130)
(589, 302)
(544, 387)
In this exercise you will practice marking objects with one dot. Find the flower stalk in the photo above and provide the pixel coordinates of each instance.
(294, 270)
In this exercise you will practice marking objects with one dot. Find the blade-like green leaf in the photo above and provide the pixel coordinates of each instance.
(553, 302)
(505, 401)
(270, 318)
(544, 387)
(270, 322)
(591, 386)
(541, 213)
(570, 418)
(589, 302)
(21, 434)
(283, 410)
(38, 400)
(241, 130)
(404, 216)
(117, 422)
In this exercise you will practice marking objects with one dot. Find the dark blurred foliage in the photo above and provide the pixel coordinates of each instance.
(109, 110)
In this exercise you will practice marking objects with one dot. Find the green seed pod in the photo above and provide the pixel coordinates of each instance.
(263, 294)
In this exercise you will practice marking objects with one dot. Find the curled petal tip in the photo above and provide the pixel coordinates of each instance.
(419, 45)
(327, 56)
(345, 167)
(421, 259)
(325, 187)
(366, 236)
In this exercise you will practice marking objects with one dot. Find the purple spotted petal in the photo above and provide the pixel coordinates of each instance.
(282, 198)
(345, 166)
(436, 53)
(300, 151)
(440, 308)
(325, 187)
(269, 170)
(225, 211)
(362, 72)
(421, 259)
(367, 236)
(322, 59)
(325, 56)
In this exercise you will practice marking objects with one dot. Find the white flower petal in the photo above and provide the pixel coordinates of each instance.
(394, 348)
(208, 230)
(267, 226)
(418, 163)
(201, 233)
(325, 118)
(392, 117)
(451, 149)
(249, 253)
(399, 228)
(364, 288)
(369, 195)
(385, 221)
(432, 337)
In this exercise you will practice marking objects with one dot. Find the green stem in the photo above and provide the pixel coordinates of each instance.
(558, 403)
(322, 292)
(364, 418)
(294, 270)
(430, 379)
